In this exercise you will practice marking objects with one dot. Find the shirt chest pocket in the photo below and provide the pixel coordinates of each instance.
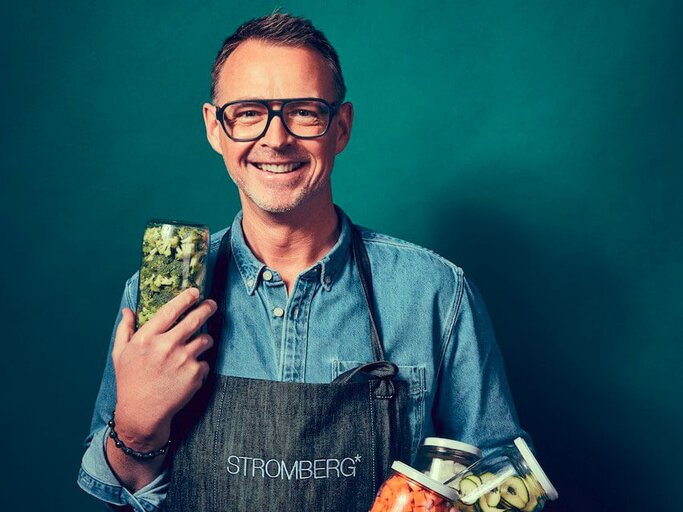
(415, 377)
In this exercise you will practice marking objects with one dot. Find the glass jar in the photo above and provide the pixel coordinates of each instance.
(174, 258)
(441, 459)
(408, 489)
(508, 479)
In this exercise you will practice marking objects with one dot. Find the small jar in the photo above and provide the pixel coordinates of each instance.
(174, 258)
(508, 479)
(408, 489)
(441, 459)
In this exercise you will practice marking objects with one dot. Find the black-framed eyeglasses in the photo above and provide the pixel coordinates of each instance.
(247, 120)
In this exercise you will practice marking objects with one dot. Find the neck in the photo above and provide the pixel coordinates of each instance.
(290, 242)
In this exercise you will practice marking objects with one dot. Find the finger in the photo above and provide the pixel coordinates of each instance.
(193, 322)
(124, 332)
(199, 372)
(199, 345)
(203, 372)
(169, 313)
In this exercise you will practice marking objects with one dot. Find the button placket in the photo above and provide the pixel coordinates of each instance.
(273, 296)
(295, 332)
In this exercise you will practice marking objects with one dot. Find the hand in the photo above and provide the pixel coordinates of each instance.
(157, 368)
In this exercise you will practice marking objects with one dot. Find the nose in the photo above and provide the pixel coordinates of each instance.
(276, 135)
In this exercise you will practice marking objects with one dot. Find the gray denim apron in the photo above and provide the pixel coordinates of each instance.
(257, 445)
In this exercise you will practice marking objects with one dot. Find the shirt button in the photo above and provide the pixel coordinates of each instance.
(250, 283)
(267, 275)
(278, 312)
(327, 279)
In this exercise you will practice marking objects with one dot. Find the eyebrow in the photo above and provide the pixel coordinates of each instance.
(261, 98)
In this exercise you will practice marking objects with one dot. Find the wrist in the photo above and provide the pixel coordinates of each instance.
(131, 451)
(140, 433)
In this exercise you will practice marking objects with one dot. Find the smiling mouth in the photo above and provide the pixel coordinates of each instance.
(278, 168)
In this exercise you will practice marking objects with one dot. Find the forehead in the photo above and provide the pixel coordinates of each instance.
(257, 69)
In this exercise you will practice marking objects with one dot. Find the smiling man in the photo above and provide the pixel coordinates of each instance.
(331, 350)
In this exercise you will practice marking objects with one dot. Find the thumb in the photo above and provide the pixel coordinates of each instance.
(124, 332)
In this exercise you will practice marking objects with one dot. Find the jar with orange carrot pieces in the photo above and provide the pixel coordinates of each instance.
(409, 490)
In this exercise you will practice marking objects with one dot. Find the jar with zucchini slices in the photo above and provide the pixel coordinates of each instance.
(508, 479)
(174, 258)
(441, 459)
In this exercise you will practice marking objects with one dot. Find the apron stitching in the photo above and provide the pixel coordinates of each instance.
(372, 437)
(216, 434)
(397, 425)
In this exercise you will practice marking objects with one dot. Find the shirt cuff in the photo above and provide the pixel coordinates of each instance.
(97, 479)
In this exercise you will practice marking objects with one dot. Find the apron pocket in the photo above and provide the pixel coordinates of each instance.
(415, 376)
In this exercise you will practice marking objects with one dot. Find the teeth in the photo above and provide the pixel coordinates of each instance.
(279, 168)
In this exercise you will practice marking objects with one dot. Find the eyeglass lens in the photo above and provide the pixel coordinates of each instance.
(246, 119)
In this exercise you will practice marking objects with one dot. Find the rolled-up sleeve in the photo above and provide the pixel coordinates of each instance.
(97, 479)
(474, 403)
(95, 475)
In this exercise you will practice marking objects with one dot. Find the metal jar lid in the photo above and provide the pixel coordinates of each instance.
(453, 445)
(447, 492)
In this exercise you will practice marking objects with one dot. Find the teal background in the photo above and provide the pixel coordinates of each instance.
(537, 144)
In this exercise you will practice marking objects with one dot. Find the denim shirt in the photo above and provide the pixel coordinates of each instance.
(431, 320)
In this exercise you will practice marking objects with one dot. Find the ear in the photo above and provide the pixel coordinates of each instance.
(213, 127)
(344, 120)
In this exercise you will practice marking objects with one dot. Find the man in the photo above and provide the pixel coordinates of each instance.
(302, 297)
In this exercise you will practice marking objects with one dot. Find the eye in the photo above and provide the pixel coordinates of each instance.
(305, 113)
(247, 113)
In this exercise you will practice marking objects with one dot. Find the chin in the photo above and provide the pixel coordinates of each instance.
(271, 206)
(283, 201)
(276, 208)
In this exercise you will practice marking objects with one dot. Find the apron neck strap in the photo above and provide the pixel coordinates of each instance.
(360, 256)
(219, 289)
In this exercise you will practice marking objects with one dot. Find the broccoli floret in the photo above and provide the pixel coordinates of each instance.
(158, 299)
(152, 234)
(162, 280)
(164, 247)
(163, 265)
(170, 267)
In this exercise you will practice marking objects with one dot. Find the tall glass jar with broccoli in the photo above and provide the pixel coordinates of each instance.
(174, 258)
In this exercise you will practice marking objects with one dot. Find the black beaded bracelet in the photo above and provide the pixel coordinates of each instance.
(129, 451)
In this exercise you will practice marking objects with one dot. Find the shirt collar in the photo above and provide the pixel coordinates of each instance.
(326, 270)
(248, 265)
